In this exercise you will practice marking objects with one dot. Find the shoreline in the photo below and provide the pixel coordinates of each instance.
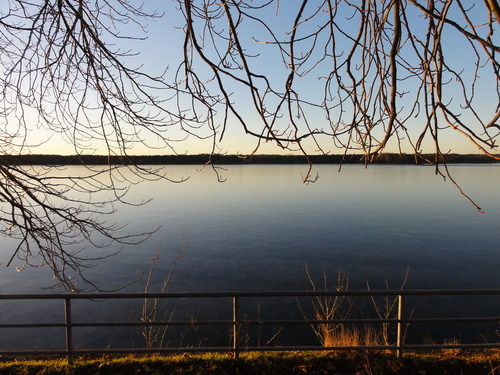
(202, 159)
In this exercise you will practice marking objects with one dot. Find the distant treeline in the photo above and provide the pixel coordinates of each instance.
(201, 159)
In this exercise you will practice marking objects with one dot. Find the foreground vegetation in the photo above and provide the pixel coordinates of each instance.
(450, 361)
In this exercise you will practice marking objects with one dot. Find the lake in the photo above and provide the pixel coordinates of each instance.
(262, 227)
(259, 229)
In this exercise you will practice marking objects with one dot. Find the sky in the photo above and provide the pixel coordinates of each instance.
(163, 49)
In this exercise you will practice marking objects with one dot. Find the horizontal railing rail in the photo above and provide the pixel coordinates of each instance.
(238, 320)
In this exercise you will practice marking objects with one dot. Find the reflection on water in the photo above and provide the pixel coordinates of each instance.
(259, 229)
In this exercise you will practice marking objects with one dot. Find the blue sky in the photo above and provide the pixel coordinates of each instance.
(163, 48)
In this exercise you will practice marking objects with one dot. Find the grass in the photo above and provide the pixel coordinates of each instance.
(339, 307)
(326, 362)
(485, 362)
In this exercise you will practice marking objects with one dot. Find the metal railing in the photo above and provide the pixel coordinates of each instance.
(240, 319)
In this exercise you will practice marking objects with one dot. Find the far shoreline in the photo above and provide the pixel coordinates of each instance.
(201, 159)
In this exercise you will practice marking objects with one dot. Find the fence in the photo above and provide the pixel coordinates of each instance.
(239, 319)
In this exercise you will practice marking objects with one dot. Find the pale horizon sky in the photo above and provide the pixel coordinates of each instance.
(163, 49)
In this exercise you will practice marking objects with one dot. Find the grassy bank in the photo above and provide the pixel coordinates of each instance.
(321, 363)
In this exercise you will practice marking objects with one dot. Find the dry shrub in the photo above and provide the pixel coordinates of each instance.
(347, 336)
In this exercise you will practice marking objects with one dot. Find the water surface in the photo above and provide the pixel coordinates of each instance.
(260, 228)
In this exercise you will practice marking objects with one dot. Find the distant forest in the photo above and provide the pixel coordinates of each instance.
(201, 159)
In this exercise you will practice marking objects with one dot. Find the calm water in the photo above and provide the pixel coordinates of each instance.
(260, 228)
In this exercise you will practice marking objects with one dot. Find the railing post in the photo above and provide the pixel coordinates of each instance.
(235, 327)
(69, 329)
(400, 333)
